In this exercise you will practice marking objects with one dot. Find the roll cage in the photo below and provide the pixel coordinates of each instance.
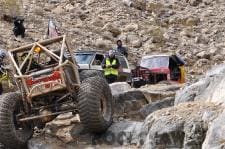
(50, 76)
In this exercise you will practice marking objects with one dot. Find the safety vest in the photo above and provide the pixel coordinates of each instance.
(110, 70)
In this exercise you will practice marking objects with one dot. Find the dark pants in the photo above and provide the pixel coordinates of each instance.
(111, 78)
(1, 88)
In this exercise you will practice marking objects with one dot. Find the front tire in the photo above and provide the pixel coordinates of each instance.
(13, 134)
(95, 104)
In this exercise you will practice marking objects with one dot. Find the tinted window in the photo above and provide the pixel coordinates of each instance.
(155, 62)
(83, 58)
(98, 59)
(122, 61)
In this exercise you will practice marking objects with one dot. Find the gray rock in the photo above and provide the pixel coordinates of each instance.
(58, 10)
(138, 4)
(129, 102)
(179, 127)
(131, 27)
(103, 44)
(53, 1)
(45, 143)
(210, 88)
(190, 92)
(152, 107)
(119, 87)
(215, 135)
(124, 133)
(113, 28)
(194, 2)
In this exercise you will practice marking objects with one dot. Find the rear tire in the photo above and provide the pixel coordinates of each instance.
(90, 73)
(95, 104)
(13, 134)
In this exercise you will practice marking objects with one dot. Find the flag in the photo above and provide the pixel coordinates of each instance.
(52, 29)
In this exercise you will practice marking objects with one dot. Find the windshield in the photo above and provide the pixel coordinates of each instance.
(83, 58)
(155, 62)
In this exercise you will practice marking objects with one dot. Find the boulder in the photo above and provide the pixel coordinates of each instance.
(61, 126)
(119, 87)
(195, 2)
(209, 88)
(113, 28)
(215, 137)
(129, 102)
(131, 27)
(46, 142)
(138, 4)
(58, 10)
(53, 1)
(124, 133)
(152, 107)
(192, 21)
(134, 40)
(182, 126)
(103, 44)
(97, 22)
(203, 54)
(70, 8)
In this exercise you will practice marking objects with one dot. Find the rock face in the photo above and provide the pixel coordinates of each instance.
(136, 104)
(152, 107)
(215, 136)
(210, 88)
(182, 126)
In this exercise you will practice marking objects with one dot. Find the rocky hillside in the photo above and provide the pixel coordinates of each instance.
(193, 28)
(147, 118)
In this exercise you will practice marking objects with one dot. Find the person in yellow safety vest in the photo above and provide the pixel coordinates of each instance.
(111, 66)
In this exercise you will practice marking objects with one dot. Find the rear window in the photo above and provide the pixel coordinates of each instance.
(83, 58)
(155, 62)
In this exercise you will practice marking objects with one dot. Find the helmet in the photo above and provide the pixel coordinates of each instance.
(111, 53)
(2, 53)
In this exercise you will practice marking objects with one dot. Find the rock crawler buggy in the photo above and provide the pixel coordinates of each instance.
(49, 85)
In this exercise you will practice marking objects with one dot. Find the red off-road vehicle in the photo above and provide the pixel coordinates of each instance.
(156, 68)
(49, 84)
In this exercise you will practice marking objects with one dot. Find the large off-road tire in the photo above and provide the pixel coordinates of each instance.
(95, 104)
(13, 134)
(90, 73)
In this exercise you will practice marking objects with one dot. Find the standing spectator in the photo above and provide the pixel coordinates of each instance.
(2, 70)
(121, 49)
(111, 65)
(19, 28)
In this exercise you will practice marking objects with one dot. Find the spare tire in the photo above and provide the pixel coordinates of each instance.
(90, 73)
(13, 133)
(95, 104)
